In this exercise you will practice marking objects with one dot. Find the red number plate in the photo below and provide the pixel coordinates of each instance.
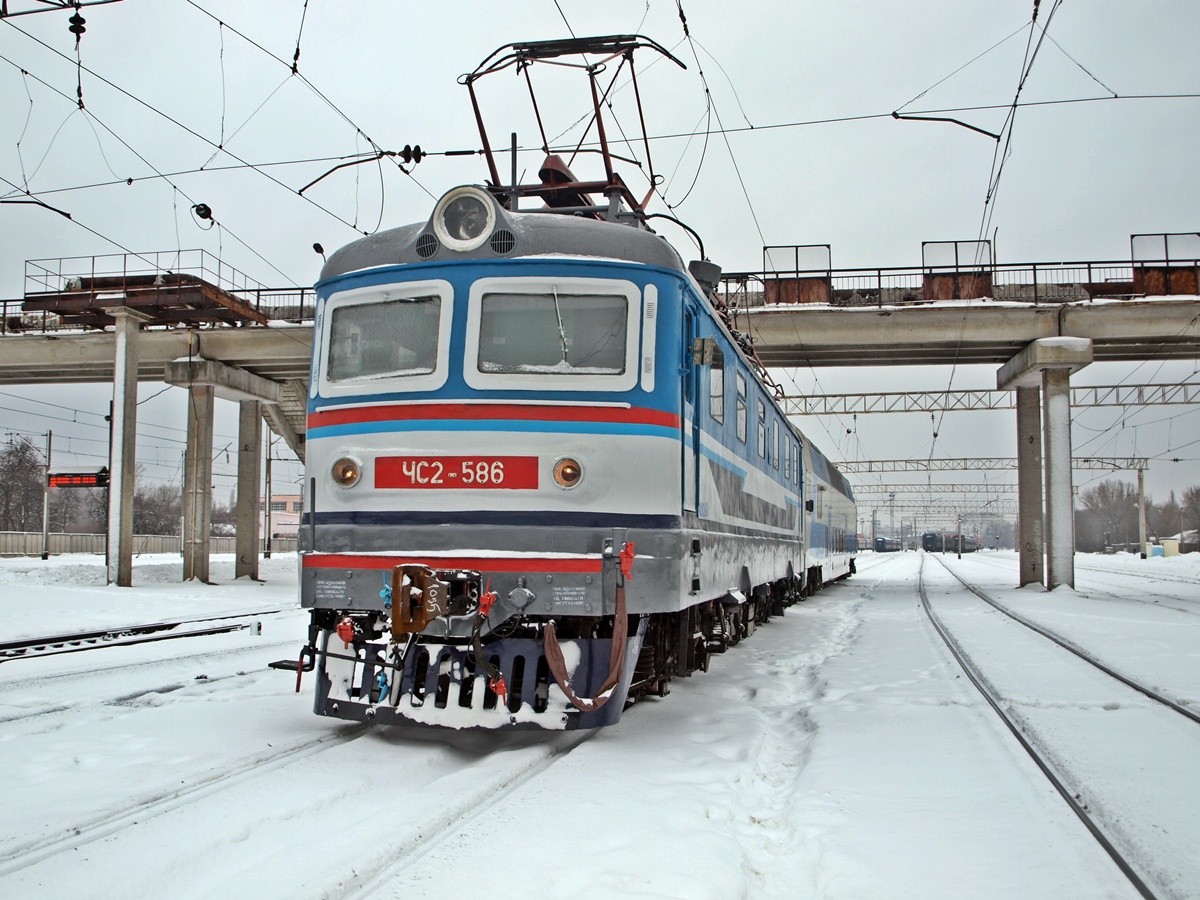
(475, 473)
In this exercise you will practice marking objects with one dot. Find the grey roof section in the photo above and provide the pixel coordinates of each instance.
(535, 234)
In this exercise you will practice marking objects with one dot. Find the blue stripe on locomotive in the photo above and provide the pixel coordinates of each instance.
(532, 427)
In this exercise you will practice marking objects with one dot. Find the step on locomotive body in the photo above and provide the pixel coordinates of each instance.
(544, 475)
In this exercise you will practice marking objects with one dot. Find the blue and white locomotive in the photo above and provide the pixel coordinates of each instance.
(544, 476)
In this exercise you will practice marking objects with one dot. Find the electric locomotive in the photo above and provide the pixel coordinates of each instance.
(544, 475)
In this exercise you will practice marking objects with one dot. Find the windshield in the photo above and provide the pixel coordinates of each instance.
(385, 339)
(553, 332)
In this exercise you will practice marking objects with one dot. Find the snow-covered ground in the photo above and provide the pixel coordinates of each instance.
(837, 754)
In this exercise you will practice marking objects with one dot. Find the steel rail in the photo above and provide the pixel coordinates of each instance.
(124, 636)
(462, 813)
(1191, 607)
(14, 859)
(1157, 575)
(976, 678)
(1073, 648)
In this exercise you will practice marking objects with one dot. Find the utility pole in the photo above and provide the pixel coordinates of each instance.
(1142, 512)
(46, 498)
(267, 504)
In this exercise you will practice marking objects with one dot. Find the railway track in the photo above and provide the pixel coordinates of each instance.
(1110, 803)
(1072, 647)
(125, 636)
(1165, 601)
(127, 698)
(454, 807)
(458, 814)
(111, 823)
(1156, 576)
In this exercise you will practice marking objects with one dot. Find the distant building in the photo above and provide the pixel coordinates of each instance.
(285, 514)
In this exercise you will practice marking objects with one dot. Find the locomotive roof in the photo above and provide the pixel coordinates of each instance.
(530, 234)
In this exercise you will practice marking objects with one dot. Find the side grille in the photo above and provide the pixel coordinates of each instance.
(427, 246)
(503, 242)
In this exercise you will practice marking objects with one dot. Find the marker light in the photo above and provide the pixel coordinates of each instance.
(464, 218)
(346, 472)
(567, 472)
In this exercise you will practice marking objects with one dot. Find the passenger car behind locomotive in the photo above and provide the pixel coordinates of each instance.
(544, 476)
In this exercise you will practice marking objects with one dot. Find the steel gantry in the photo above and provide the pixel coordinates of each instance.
(943, 507)
(866, 466)
(870, 491)
(1120, 395)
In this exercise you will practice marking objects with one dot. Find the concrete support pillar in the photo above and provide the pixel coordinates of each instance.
(122, 469)
(1030, 543)
(249, 469)
(197, 483)
(1060, 498)
(204, 379)
(1047, 364)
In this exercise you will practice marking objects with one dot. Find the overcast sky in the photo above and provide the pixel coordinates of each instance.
(1078, 180)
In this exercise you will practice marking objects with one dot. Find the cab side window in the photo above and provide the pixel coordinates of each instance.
(741, 407)
(716, 387)
(762, 428)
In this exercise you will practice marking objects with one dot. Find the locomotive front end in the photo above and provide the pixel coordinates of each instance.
(480, 386)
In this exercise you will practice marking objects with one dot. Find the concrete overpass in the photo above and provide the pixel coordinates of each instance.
(968, 332)
(265, 367)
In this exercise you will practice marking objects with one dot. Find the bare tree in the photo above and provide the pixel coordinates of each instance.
(1114, 505)
(1191, 508)
(21, 485)
(78, 510)
(157, 508)
(1163, 518)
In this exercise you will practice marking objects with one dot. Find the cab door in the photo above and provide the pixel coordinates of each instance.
(689, 437)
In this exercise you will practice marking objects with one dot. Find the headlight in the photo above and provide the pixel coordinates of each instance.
(346, 472)
(567, 473)
(464, 218)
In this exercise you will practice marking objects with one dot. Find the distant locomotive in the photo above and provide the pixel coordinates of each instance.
(887, 545)
(544, 474)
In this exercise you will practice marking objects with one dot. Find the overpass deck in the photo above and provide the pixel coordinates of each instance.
(800, 335)
(969, 332)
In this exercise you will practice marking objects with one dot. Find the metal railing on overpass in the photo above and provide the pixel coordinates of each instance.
(113, 276)
(1027, 283)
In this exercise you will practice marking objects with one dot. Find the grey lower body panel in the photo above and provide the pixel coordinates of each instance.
(566, 572)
